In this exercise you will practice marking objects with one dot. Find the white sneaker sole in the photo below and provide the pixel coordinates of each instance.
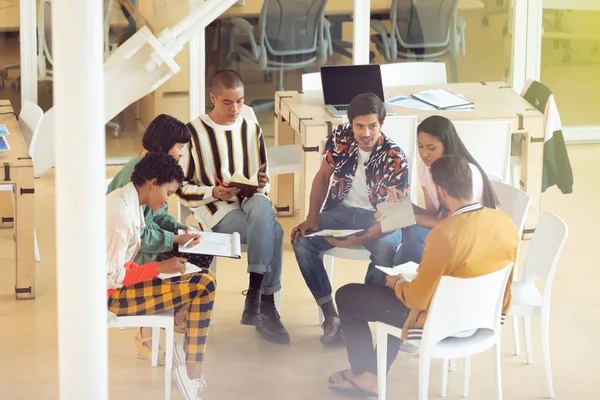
(179, 380)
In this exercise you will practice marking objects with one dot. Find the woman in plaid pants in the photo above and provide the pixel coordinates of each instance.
(137, 289)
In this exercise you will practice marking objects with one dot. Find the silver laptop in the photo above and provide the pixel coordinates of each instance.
(342, 83)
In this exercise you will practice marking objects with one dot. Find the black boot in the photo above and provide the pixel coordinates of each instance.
(251, 314)
(271, 327)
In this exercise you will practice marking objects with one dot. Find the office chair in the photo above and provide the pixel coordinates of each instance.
(292, 35)
(422, 31)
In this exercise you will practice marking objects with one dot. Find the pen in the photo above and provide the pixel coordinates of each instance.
(218, 181)
(188, 242)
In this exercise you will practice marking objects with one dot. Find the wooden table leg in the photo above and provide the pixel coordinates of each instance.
(283, 185)
(24, 231)
(313, 141)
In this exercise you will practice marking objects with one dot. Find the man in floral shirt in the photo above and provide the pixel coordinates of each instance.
(364, 164)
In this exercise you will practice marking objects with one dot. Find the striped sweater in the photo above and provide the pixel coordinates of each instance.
(214, 154)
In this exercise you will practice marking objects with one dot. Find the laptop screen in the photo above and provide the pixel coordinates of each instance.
(343, 83)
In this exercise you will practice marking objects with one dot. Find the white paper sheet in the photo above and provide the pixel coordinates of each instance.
(335, 233)
(407, 270)
(189, 269)
(216, 244)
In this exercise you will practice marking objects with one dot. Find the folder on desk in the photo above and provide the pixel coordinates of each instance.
(4, 144)
(443, 99)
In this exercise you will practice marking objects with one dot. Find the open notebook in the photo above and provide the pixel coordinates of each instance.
(189, 269)
(216, 244)
(408, 270)
(247, 186)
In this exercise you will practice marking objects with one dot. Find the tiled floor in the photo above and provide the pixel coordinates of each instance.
(241, 365)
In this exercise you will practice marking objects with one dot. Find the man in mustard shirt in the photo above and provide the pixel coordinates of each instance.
(474, 241)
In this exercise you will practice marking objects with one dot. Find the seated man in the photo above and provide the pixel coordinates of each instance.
(137, 289)
(473, 241)
(364, 164)
(223, 143)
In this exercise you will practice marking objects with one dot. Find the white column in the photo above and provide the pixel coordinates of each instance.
(534, 39)
(197, 90)
(28, 49)
(80, 202)
(361, 31)
(519, 46)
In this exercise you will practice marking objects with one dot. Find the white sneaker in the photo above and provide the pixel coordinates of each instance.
(178, 354)
(188, 388)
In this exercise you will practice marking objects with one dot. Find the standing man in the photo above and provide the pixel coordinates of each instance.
(364, 164)
(224, 142)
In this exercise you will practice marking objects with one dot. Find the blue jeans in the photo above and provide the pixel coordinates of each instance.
(257, 227)
(308, 250)
(413, 243)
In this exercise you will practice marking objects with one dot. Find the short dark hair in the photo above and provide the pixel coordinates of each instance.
(366, 104)
(159, 166)
(453, 174)
(164, 132)
(226, 79)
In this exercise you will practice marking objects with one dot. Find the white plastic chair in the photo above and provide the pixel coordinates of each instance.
(413, 73)
(311, 81)
(540, 263)
(459, 306)
(163, 320)
(107, 182)
(403, 131)
(489, 144)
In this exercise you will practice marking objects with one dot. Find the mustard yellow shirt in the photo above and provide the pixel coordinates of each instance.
(474, 241)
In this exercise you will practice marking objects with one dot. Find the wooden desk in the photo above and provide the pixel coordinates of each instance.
(16, 169)
(10, 16)
(334, 7)
(305, 115)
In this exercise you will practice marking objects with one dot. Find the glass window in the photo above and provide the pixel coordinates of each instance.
(295, 44)
(571, 63)
(469, 36)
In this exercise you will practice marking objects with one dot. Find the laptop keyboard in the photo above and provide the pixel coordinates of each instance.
(341, 108)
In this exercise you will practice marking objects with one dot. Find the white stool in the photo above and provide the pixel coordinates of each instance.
(163, 320)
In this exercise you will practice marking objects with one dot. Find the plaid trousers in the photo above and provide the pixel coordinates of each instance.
(155, 295)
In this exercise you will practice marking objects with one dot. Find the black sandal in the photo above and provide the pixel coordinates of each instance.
(342, 374)
(355, 391)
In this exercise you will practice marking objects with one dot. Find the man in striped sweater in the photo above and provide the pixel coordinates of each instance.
(224, 142)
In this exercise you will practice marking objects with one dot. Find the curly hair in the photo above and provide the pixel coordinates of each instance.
(159, 166)
(164, 132)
